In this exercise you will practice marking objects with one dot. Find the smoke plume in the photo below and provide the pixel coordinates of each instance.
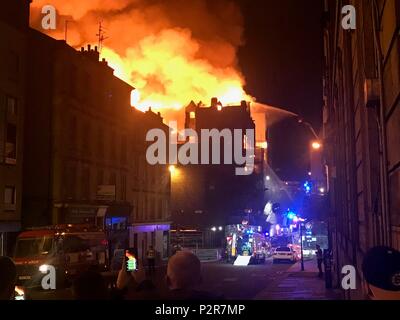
(172, 51)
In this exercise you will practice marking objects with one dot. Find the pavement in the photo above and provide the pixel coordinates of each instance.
(300, 285)
(255, 282)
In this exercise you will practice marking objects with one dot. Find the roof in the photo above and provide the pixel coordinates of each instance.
(36, 233)
(53, 230)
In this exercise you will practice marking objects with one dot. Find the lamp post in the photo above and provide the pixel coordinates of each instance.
(301, 245)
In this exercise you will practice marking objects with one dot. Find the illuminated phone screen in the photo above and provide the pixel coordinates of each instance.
(131, 262)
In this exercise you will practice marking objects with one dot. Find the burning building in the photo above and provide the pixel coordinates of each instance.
(84, 147)
(209, 196)
(170, 52)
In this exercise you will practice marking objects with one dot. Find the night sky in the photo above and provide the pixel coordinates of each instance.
(282, 62)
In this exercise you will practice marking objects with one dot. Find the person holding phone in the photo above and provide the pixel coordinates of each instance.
(132, 281)
(131, 262)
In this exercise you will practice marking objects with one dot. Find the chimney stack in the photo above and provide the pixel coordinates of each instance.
(214, 102)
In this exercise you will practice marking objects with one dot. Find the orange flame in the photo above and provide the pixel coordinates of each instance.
(166, 72)
(171, 53)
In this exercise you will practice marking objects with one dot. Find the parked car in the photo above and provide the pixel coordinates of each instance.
(284, 254)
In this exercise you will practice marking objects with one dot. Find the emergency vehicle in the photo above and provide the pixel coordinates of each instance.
(70, 249)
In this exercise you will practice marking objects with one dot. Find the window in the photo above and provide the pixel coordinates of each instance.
(123, 150)
(73, 88)
(113, 179)
(85, 183)
(13, 64)
(75, 244)
(113, 154)
(10, 198)
(123, 187)
(73, 131)
(100, 143)
(87, 138)
(11, 107)
(87, 87)
(70, 178)
(160, 210)
(11, 143)
(192, 115)
(100, 175)
(33, 247)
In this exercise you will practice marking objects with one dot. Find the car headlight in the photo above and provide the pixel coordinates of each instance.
(19, 293)
(44, 268)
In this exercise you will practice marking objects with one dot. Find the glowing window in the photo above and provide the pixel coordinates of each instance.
(192, 115)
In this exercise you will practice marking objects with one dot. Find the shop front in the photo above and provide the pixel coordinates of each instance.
(113, 218)
(142, 236)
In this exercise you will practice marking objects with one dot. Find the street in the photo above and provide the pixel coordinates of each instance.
(138, 133)
(232, 282)
(235, 282)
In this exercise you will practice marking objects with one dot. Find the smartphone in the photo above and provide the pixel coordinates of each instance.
(131, 260)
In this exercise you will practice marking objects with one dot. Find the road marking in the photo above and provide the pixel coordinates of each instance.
(230, 280)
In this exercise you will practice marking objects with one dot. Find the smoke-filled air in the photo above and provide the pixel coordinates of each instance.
(171, 51)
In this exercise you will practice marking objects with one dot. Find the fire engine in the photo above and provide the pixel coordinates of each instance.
(70, 249)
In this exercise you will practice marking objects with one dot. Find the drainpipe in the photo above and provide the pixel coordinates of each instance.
(386, 232)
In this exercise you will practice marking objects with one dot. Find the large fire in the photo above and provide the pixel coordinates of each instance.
(167, 74)
(171, 51)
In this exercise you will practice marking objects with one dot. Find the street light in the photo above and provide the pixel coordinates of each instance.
(316, 145)
(307, 124)
(172, 169)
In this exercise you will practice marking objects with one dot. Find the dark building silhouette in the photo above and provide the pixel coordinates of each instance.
(361, 128)
(14, 20)
(206, 195)
(84, 144)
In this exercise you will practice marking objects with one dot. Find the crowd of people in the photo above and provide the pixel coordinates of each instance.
(381, 273)
(181, 281)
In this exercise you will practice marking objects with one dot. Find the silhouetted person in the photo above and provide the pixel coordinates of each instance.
(146, 290)
(151, 260)
(381, 270)
(320, 259)
(90, 285)
(176, 249)
(135, 285)
(184, 276)
(8, 276)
